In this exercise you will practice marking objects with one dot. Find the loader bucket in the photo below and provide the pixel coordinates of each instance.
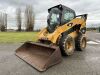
(38, 55)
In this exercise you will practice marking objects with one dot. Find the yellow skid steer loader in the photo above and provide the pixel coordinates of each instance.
(64, 33)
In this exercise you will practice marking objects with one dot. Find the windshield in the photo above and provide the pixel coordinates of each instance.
(54, 19)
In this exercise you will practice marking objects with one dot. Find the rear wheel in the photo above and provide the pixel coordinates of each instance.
(67, 45)
(80, 42)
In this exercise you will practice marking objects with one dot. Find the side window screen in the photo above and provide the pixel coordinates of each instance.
(68, 16)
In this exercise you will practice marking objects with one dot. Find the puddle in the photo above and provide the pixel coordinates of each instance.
(97, 41)
(92, 42)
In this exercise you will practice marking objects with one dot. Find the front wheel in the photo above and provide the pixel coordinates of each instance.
(67, 45)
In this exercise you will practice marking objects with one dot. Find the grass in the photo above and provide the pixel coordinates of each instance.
(17, 37)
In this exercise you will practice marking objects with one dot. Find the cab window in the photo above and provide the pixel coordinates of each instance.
(68, 16)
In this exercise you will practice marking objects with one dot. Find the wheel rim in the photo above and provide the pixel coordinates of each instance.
(69, 46)
(83, 43)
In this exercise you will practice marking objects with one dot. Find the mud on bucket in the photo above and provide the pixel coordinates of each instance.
(39, 55)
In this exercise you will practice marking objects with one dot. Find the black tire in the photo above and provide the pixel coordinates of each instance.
(80, 42)
(64, 43)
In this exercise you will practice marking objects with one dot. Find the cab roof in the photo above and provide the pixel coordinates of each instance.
(61, 7)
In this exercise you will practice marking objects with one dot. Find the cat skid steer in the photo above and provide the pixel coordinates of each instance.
(64, 33)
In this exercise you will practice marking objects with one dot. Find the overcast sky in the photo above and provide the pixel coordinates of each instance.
(91, 7)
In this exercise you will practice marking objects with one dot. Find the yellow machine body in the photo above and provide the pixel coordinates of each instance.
(53, 37)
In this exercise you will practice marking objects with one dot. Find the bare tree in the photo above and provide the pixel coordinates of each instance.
(29, 18)
(3, 21)
(18, 17)
(0, 20)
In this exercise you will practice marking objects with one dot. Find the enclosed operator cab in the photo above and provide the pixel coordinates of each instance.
(59, 15)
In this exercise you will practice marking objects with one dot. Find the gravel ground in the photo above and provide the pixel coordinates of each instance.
(80, 63)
